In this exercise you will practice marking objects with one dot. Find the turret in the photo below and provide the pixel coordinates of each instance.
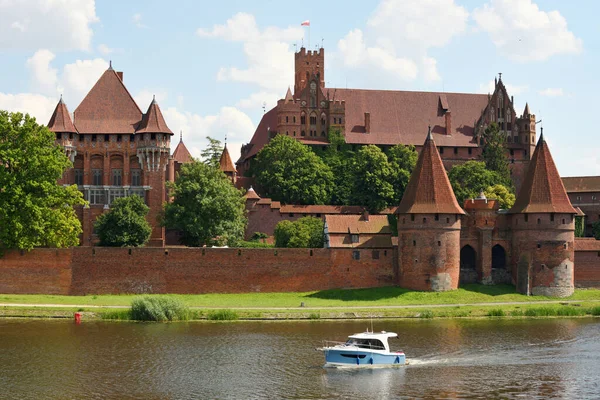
(61, 124)
(227, 166)
(543, 226)
(429, 226)
(526, 131)
(307, 64)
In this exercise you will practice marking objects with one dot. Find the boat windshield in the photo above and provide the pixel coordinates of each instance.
(366, 343)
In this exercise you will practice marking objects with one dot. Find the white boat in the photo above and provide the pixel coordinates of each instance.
(367, 349)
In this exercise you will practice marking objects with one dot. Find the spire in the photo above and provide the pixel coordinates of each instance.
(60, 121)
(153, 99)
(429, 134)
(288, 95)
(251, 194)
(180, 136)
(526, 112)
(182, 154)
(542, 190)
(225, 163)
(429, 190)
(153, 121)
(110, 65)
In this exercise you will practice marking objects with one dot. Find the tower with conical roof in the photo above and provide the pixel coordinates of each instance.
(429, 222)
(543, 230)
(227, 166)
(526, 131)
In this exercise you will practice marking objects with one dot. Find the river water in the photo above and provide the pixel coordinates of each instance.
(525, 359)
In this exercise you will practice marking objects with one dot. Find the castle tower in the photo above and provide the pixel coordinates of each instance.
(307, 64)
(526, 131)
(62, 125)
(227, 166)
(288, 116)
(429, 226)
(543, 226)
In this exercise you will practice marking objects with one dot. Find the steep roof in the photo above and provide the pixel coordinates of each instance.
(181, 153)
(288, 95)
(153, 121)
(251, 194)
(542, 190)
(61, 120)
(526, 111)
(581, 184)
(429, 190)
(261, 135)
(375, 224)
(108, 107)
(225, 163)
(398, 116)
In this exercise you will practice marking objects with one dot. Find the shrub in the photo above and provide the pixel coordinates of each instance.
(314, 316)
(158, 308)
(222, 315)
(254, 245)
(426, 314)
(595, 310)
(496, 312)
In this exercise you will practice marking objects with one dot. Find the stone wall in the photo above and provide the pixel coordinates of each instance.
(41, 271)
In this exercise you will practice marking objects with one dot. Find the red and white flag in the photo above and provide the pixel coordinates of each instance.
(305, 23)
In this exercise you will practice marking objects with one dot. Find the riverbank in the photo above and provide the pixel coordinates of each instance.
(471, 301)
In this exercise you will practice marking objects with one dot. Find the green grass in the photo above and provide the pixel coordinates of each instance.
(379, 297)
(222, 315)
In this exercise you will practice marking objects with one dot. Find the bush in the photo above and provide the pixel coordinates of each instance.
(222, 315)
(305, 232)
(254, 245)
(155, 308)
(426, 314)
(125, 225)
(496, 312)
(595, 310)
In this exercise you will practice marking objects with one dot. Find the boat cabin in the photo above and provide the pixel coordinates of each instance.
(370, 340)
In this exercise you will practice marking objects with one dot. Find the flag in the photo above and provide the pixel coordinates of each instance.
(305, 23)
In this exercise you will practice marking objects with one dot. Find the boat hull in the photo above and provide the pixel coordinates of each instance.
(334, 357)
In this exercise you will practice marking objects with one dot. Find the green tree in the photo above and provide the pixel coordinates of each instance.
(579, 226)
(339, 156)
(291, 172)
(494, 153)
(372, 175)
(125, 224)
(402, 160)
(212, 153)
(596, 230)
(505, 198)
(206, 207)
(34, 210)
(470, 178)
(304, 232)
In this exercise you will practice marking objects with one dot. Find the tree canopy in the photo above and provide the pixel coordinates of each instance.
(125, 225)
(212, 153)
(206, 207)
(34, 209)
(292, 173)
(494, 153)
(596, 230)
(304, 232)
(470, 178)
(505, 198)
(372, 175)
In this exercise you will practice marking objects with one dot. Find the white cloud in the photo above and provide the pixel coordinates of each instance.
(144, 97)
(36, 105)
(407, 28)
(44, 77)
(258, 100)
(56, 25)
(104, 49)
(137, 21)
(229, 121)
(513, 90)
(523, 32)
(269, 57)
(78, 78)
(552, 92)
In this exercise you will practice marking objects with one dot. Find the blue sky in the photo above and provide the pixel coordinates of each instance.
(212, 65)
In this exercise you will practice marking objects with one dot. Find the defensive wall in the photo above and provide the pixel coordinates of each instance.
(97, 270)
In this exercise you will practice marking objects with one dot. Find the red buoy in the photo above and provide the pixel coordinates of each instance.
(77, 318)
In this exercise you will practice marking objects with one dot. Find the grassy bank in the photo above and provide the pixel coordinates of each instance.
(373, 297)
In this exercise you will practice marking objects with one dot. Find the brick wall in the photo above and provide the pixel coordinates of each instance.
(42, 271)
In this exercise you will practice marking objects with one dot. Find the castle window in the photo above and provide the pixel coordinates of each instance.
(552, 217)
(334, 120)
(539, 221)
(287, 119)
(539, 246)
(80, 138)
(414, 242)
(356, 255)
(96, 196)
(287, 133)
(303, 119)
(437, 217)
(456, 150)
(313, 119)
(441, 150)
(412, 217)
(340, 120)
(79, 177)
(424, 220)
(526, 218)
(303, 133)
(291, 215)
(509, 139)
(470, 150)
(375, 254)
(58, 136)
(106, 138)
(563, 221)
(93, 138)
(294, 133)
(447, 220)
(512, 152)
(439, 243)
(354, 238)
(136, 177)
(97, 177)
(578, 198)
(117, 177)
(318, 215)
(119, 138)
(153, 136)
(323, 133)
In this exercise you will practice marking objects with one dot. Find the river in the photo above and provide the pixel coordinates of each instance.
(525, 359)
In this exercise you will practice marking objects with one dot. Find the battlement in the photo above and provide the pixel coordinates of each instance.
(310, 53)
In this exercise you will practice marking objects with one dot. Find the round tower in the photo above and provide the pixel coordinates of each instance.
(543, 230)
(429, 222)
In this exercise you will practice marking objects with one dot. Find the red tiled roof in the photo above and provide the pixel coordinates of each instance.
(587, 244)
(61, 120)
(107, 108)
(580, 213)
(376, 224)
(153, 121)
(251, 194)
(181, 154)
(429, 190)
(580, 184)
(401, 116)
(225, 163)
(542, 190)
(321, 209)
(261, 135)
(276, 205)
(374, 242)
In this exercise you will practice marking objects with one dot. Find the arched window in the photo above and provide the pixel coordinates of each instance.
(303, 119)
(323, 121)
(498, 257)
(468, 257)
(313, 119)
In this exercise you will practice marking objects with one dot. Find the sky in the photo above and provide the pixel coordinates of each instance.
(215, 66)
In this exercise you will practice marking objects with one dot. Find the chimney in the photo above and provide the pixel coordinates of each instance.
(448, 116)
(367, 123)
(365, 215)
(120, 75)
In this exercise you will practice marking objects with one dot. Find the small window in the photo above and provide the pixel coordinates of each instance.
(439, 243)
(424, 220)
(375, 254)
(119, 138)
(136, 177)
(131, 138)
(437, 217)
(93, 138)
(356, 255)
(153, 136)
(97, 177)
(578, 198)
(80, 138)
(117, 177)
(563, 221)
(539, 246)
(79, 177)
(512, 152)
(441, 150)
(294, 120)
(539, 221)
(318, 215)
(287, 119)
(414, 242)
(303, 133)
(58, 136)
(107, 138)
(412, 217)
(294, 133)
(456, 150)
(526, 218)
(340, 120)
(354, 238)
(448, 220)
(552, 217)
(593, 197)
(291, 215)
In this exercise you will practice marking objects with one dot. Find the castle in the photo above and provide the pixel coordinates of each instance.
(117, 150)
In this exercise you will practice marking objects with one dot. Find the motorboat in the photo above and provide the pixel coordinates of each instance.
(367, 349)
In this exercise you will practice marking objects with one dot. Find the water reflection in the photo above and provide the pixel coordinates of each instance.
(554, 358)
